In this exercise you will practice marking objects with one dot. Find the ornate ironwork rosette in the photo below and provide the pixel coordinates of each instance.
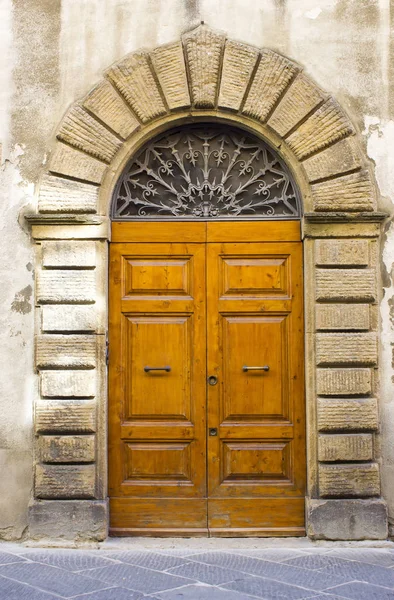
(204, 172)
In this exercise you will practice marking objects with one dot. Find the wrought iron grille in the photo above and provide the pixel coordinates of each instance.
(205, 172)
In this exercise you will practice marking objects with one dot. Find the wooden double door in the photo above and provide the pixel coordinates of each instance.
(206, 379)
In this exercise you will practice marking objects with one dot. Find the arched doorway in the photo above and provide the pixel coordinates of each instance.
(206, 378)
(205, 77)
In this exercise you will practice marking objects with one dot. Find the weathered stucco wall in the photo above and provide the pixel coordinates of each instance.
(52, 53)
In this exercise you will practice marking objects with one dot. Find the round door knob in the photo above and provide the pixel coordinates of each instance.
(212, 380)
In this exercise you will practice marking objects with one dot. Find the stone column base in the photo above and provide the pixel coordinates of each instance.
(346, 519)
(76, 520)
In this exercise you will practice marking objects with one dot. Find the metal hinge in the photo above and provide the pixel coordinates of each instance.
(106, 350)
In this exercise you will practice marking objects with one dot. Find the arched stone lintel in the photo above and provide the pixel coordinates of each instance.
(206, 75)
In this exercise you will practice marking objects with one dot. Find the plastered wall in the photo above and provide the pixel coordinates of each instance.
(52, 53)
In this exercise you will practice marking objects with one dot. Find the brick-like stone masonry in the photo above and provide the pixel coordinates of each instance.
(346, 364)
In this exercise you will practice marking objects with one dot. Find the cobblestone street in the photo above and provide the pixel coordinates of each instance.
(198, 570)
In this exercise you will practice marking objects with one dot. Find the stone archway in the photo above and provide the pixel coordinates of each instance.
(206, 76)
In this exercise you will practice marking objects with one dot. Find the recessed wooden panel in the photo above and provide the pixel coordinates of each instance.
(158, 516)
(255, 341)
(157, 463)
(254, 276)
(157, 276)
(258, 462)
(262, 517)
(158, 341)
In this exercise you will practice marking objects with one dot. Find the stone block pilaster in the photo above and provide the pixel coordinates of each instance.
(70, 410)
(343, 337)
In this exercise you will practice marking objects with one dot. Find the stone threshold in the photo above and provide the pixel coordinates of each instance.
(141, 544)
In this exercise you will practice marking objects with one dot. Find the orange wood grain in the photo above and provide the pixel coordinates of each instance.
(253, 231)
(206, 299)
(157, 419)
(256, 465)
(137, 231)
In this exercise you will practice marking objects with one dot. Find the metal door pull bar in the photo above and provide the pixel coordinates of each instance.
(265, 368)
(147, 369)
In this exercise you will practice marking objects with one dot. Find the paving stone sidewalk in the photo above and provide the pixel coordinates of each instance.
(180, 571)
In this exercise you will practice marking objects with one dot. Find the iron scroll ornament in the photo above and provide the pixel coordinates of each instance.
(206, 172)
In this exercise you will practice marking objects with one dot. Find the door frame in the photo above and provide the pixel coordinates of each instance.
(340, 230)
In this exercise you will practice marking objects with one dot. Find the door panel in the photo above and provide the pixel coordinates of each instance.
(261, 517)
(254, 316)
(256, 461)
(254, 396)
(254, 277)
(167, 462)
(208, 304)
(257, 231)
(158, 395)
(155, 277)
(132, 231)
(157, 424)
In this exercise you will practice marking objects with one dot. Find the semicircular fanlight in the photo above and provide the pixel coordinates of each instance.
(206, 171)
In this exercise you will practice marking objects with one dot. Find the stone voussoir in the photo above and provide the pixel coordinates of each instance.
(134, 79)
(74, 163)
(345, 447)
(59, 195)
(65, 481)
(65, 416)
(353, 192)
(274, 73)
(337, 159)
(327, 125)
(169, 64)
(346, 349)
(347, 414)
(349, 480)
(301, 97)
(238, 63)
(203, 51)
(81, 130)
(108, 106)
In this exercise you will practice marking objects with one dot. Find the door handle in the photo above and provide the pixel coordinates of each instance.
(265, 368)
(147, 369)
